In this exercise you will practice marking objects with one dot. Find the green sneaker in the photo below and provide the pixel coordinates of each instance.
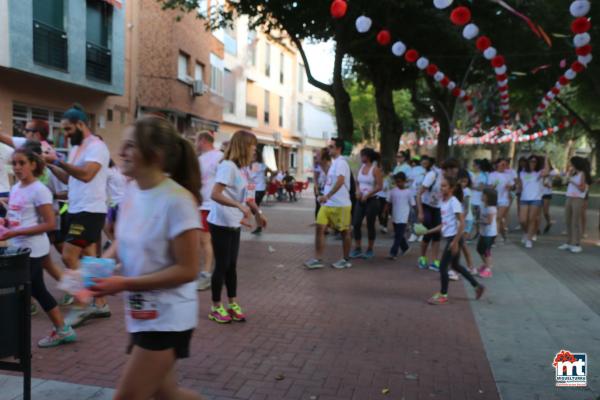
(56, 338)
(219, 315)
(438, 299)
(435, 266)
(423, 262)
(67, 300)
(236, 313)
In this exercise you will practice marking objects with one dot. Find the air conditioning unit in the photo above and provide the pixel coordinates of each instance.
(198, 88)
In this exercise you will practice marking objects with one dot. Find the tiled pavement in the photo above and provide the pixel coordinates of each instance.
(327, 334)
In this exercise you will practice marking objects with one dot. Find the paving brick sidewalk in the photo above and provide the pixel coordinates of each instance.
(322, 334)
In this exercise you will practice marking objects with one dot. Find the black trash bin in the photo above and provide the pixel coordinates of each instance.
(15, 313)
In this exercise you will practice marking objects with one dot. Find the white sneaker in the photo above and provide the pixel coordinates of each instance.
(564, 246)
(313, 263)
(384, 229)
(453, 276)
(524, 239)
(598, 243)
(341, 264)
(413, 238)
(534, 238)
(576, 249)
(528, 244)
(204, 281)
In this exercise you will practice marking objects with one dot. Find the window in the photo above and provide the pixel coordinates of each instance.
(280, 111)
(49, 36)
(230, 41)
(267, 59)
(229, 92)
(98, 30)
(122, 116)
(199, 72)
(252, 47)
(267, 106)
(22, 113)
(300, 122)
(203, 8)
(300, 78)
(216, 74)
(281, 67)
(109, 115)
(183, 63)
(293, 160)
(251, 108)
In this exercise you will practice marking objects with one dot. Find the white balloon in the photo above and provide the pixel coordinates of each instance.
(551, 95)
(470, 31)
(585, 60)
(462, 94)
(558, 85)
(451, 86)
(398, 48)
(582, 39)
(438, 76)
(580, 8)
(500, 70)
(363, 24)
(503, 83)
(490, 53)
(545, 102)
(570, 74)
(441, 4)
(422, 63)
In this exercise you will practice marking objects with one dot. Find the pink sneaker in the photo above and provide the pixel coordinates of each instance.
(485, 273)
(219, 315)
(236, 313)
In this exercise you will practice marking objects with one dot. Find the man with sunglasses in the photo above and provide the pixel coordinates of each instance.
(85, 172)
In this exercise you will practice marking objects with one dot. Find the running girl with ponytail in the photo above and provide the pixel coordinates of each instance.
(160, 267)
(452, 228)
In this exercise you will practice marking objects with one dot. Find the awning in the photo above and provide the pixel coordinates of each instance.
(115, 3)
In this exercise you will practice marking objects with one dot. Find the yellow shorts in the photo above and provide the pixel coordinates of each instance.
(338, 218)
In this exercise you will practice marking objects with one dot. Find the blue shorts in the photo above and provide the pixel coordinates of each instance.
(536, 203)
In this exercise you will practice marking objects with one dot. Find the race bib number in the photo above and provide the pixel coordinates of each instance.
(14, 217)
(143, 306)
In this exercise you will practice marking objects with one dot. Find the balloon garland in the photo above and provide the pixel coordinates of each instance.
(461, 16)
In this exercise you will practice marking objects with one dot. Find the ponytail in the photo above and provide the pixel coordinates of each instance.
(159, 142)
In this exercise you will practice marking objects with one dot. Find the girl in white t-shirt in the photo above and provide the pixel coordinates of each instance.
(157, 243)
(452, 228)
(530, 184)
(464, 179)
(577, 189)
(547, 196)
(488, 230)
(502, 181)
(30, 215)
(232, 207)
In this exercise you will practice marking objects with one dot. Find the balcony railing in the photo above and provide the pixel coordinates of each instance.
(251, 110)
(50, 46)
(98, 63)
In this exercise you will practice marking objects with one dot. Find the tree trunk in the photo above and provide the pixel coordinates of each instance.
(568, 149)
(596, 137)
(443, 149)
(390, 125)
(341, 99)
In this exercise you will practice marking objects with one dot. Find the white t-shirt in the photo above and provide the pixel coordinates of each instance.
(449, 209)
(208, 169)
(258, 176)
(533, 185)
(401, 201)
(366, 182)
(115, 186)
(161, 214)
(488, 230)
(479, 179)
(22, 213)
(548, 182)
(341, 198)
(572, 188)
(229, 175)
(5, 158)
(432, 183)
(91, 196)
(415, 178)
(499, 180)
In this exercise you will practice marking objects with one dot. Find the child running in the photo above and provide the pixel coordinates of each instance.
(30, 216)
(452, 228)
(401, 200)
(488, 230)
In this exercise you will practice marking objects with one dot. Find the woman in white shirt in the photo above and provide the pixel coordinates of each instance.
(547, 195)
(30, 216)
(502, 181)
(232, 208)
(577, 189)
(369, 182)
(452, 228)
(531, 186)
(157, 242)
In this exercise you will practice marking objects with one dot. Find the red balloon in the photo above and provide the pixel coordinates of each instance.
(497, 61)
(555, 90)
(503, 88)
(501, 77)
(577, 67)
(563, 80)
(445, 82)
(460, 16)
(384, 37)
(482, 43)
(504, 96)
(584, 50)
(466, 98)
(470, 107)
(581, 25)
(411, 56)
(432, 69)
(456, 92)
(338, 8)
